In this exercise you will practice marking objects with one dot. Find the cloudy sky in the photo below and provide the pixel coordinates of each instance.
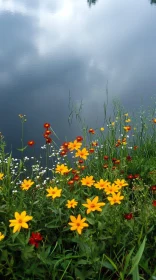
(51, 47)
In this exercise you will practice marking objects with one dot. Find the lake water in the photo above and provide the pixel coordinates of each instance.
(53, 47)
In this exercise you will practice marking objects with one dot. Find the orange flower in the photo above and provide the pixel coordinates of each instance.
(91, 150)
(135, 147)
(127, 128)
(94, 143)
(105, 166)
(31, 142)
(92, 131)
(79, 138)
(154, 120)
(46, 125)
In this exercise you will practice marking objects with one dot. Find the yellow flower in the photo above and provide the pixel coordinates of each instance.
(1, 236)
(120, 183)
(62, 169)
(111, 189)
(71, 203)
(126, 114)
(82, 153)
(77, 223)
(87, 181)
(54, 192)
(20, 221)
(1, 176)
(128, 120)
(74, 145)
(102, 184)
(93, 205)
(134, 128)
(113, 123)
(115, 198)
(102, 129)
(26, 184)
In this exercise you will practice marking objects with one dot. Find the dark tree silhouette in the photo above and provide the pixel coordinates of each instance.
(90, 2)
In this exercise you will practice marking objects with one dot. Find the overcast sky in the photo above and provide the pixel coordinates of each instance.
(50, 47)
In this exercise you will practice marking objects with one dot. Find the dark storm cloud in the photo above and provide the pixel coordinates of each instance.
(48, 48)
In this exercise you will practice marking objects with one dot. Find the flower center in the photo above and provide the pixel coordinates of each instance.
(20, 221)
(78, 224)
(92, 205)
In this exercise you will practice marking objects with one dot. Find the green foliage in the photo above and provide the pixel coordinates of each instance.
(119, 242)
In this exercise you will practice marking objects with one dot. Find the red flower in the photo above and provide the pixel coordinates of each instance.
(106, 157)
(128, 216)
(91, 130)
(154, 202)
(65, 145)
(153, 188)
(63, 152)
(136, 176)
(48, 140)
(91, 150)
(135, 147)
(76, 178)
(94, 144)
(79, 138)
(117, 144)
(31, 142)
(105, 166)
(74, 171)
(48, 132)
(129, 158)
(114, 159)
(82, 167)
(35, 238)
(46, 125)
(71, 182)
(130, 176)
(81, 161)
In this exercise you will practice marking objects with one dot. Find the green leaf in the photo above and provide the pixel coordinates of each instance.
(51, 225)
(91, 221)
(128, 257)
(111, 262)
(22, 149)
(135, 273)
(107, 265)
(138, 256)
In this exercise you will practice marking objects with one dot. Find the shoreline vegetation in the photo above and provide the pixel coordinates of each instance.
(90, 212)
